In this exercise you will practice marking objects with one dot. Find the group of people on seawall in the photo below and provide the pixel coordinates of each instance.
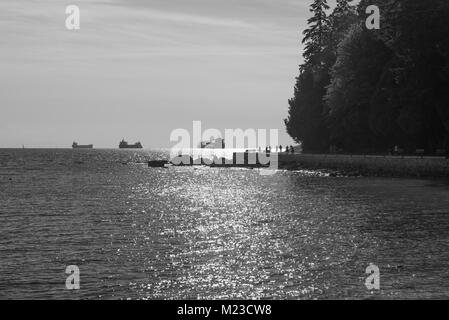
(288, 149)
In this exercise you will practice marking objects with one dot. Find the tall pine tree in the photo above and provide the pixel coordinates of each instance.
(315, 35)
(305, 122)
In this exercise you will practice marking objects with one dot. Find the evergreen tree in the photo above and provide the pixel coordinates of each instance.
(340, 20)
(360, 61)
(417, 33)
(305, 122)
(315, 35)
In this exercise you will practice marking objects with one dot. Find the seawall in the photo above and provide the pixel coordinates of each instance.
(389, 166)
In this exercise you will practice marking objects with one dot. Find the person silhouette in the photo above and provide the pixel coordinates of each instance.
(287, 150)
(280, 148)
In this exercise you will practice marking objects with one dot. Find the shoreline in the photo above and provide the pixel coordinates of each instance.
(369, 166)
(339, 165)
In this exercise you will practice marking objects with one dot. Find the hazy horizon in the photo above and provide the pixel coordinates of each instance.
(140, 69)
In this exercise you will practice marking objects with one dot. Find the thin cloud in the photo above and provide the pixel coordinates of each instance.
(177, 17)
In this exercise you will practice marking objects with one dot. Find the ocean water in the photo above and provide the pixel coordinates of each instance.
(191, 233)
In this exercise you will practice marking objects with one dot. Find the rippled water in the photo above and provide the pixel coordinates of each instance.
(142, 233)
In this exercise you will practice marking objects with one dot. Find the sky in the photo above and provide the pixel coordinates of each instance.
(140, 69)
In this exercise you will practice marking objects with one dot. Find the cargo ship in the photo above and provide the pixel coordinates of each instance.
(125, 145)
(75, 145)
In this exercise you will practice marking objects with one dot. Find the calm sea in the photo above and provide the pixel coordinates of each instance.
(142, 233)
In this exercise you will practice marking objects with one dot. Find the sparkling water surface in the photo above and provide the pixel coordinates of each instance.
(196, 232)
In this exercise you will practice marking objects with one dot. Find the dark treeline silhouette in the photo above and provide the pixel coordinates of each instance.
(367, 91)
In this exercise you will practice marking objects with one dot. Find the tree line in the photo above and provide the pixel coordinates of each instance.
(369, 91)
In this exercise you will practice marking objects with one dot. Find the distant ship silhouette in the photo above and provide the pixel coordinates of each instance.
(125, 145)
(75, 145)
(213, 143)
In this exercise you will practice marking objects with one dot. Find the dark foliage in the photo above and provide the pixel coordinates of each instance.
(367, 91)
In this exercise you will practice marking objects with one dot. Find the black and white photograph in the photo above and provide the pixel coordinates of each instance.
(193, 151)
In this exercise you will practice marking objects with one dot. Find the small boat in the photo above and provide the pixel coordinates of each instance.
(158, 164)
(75, 145)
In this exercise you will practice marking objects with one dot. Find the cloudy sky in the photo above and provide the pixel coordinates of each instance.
(138, 69)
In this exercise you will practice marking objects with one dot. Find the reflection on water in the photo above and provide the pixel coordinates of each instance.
(144, 233)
